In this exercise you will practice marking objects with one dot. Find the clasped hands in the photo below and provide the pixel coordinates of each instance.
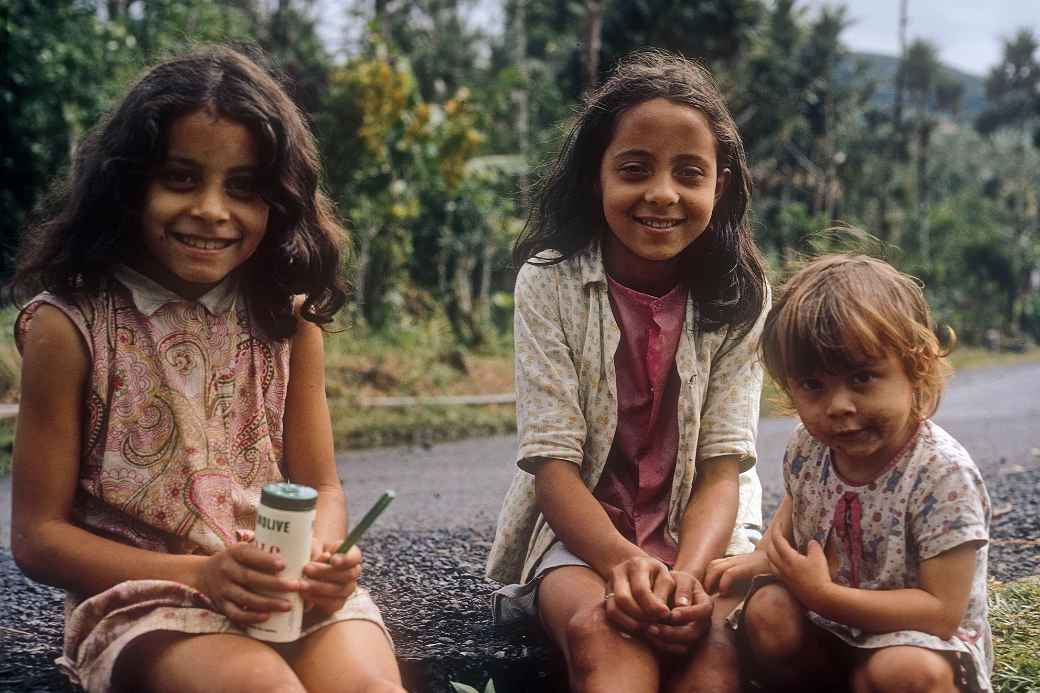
(241, 580)
(667, 608)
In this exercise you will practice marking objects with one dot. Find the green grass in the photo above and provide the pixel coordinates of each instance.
(421, 361)
(10, 361)
(1014, 616)
(356, 427)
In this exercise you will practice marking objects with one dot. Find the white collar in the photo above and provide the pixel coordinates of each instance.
(149, 295)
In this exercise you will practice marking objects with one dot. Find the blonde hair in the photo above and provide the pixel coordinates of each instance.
(838, 310)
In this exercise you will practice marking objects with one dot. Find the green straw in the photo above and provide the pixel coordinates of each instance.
(366, 522)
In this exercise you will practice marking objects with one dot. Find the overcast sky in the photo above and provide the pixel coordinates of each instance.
(967, 32)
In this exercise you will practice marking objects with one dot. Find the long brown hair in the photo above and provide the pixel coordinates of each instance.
(90, 220)
(723, 267)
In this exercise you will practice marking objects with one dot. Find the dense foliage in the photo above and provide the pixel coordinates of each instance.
(431, 125)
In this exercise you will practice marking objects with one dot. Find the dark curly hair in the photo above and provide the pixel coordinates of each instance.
(90, 219)
(723, 267)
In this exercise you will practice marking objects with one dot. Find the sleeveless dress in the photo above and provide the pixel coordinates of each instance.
(182, 428)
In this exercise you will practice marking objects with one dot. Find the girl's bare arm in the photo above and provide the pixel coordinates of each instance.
(47, 546)
(309, 454)
(578, 519)
(710, 515)
(731, 573)
(936, 607)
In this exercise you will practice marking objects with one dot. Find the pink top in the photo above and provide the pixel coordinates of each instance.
(637, 479)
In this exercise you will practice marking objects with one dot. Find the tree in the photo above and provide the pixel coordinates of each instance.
(800, 108)
(59, 61)
(289, 35)
(592, 42)
(423, 219)
(719, 32)
(1013, 89)
(443, 49)
(930, 91)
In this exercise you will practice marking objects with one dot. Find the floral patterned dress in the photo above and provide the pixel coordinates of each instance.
(182, 428)
(929, 500)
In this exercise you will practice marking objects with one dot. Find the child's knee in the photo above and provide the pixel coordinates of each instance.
(260, 674)
(905, 670)
(383, 686)
(774, 623)
(590, 636)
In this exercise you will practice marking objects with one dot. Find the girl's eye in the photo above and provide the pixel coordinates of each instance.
(862, 377)
(633, 170)
(178, 179)
(810, 384)
(688, 172)
(242, 186)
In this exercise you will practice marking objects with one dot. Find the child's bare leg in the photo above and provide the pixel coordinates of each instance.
(570, 604)
(785, 647)
(904, 669)
(346, 657)
(182, 663)
(714, 665)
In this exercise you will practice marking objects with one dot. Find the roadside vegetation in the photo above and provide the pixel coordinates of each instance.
(363, 367)
(1015, 620)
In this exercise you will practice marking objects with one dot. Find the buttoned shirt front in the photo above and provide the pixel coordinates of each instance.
(635, 485)
(566, 387)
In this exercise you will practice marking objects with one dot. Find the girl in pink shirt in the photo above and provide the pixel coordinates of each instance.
(639, 300)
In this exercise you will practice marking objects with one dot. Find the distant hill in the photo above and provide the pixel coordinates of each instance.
(882, 70)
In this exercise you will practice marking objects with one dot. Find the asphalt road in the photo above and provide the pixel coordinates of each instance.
(424, 557)
(994, 412)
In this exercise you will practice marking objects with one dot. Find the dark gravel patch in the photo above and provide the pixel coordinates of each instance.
(430, 586)
(435, 599)
(1014, 550)
(27, 653)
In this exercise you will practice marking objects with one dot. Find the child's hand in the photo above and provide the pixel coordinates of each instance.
(689, 619)
(235, 579)
(330, 577)
(734, 573)
(806, 576)
(640, 590)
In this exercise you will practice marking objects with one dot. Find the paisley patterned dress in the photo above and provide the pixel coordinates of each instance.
(182, 428)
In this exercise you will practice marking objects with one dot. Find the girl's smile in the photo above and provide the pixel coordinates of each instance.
(864, 415)
(202, 243)
(203, 217)
(659, 183)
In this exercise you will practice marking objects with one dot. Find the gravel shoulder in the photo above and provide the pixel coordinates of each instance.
(424, 558)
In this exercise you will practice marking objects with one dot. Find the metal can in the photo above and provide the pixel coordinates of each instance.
(284, 526)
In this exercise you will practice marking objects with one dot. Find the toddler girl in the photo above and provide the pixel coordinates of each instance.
(639, 301)
(172, 367)
(875, 563)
